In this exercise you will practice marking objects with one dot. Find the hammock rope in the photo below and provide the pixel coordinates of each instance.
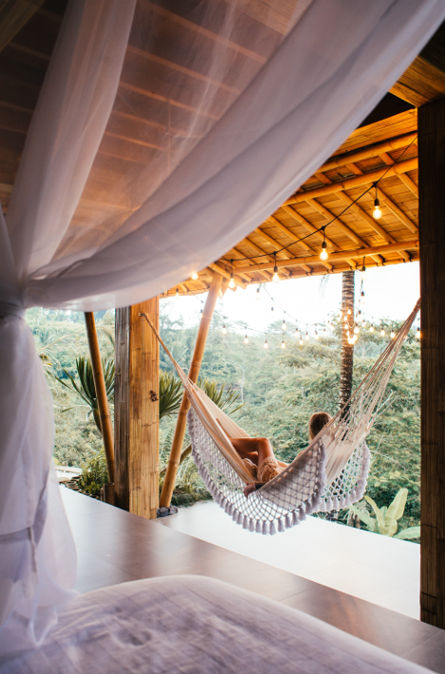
(331, 473)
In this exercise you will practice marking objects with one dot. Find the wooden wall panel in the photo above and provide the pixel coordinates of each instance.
(432, 258)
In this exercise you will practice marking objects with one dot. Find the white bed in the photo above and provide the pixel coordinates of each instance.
(195, 624)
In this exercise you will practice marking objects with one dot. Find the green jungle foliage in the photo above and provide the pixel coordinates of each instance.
(279, 390)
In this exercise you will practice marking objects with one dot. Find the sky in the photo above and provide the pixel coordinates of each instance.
(390, 292)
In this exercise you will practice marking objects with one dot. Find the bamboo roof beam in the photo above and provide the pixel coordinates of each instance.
(371, 151)
(367, 251)
(239, 280)
(409, 224)
(354, 207)
(265, 275)
(357, 181)
(409, 183)
(14, 14)
(284, 230)
(261, 252)
(273, 243)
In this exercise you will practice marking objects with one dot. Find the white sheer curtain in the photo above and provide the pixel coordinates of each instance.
(164, 133)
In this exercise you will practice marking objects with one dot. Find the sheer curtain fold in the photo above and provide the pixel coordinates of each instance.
(164, 134)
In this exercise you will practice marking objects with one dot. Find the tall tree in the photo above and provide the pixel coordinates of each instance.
(347, 336)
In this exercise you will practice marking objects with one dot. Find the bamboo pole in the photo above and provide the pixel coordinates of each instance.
(195, 366)
(101, 393)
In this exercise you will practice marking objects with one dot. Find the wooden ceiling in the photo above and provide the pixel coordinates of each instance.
(339, 196)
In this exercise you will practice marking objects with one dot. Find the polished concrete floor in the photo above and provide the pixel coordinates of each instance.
(376, 568)
(114, 546)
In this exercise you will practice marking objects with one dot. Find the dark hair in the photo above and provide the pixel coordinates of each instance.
(316, 423)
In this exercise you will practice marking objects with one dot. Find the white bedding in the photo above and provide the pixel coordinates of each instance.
(194, 624)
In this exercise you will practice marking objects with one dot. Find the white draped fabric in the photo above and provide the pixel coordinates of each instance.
(164, 133)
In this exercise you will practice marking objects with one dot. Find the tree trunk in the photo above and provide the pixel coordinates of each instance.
(347, 333)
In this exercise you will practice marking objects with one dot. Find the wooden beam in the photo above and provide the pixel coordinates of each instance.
(102, 399)
(356, 181)
(195, 366)
(432, 276)
(400, 215)
(14, 14)
(369, 152)
(420, 83)
(137, 410)
(340, 255)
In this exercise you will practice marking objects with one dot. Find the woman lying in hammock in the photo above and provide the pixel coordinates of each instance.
(260, 453)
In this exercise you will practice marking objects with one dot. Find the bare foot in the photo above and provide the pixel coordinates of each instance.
(248, 489)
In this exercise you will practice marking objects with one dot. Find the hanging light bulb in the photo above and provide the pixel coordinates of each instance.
(177, 292)
(275, 277)
(317, 336)
(356, 330)
(246, 339)
(324, 253)
(283, 325)
(224, 329)
(266, 345)
(306, 336)
(297, 334)
(301, 342)
(382, 332)
(349, 312)
(418, 333)
(195, 276)
(377, 211)
(232, 281)
(258, 293)
(283, 344)
(393, 334)
(371, 328)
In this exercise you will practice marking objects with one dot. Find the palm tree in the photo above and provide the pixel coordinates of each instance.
(347, 336)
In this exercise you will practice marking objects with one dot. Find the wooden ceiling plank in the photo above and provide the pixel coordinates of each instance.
(351, 255)
(367, 153)
(308, 225)
(282, 228)
(14, 14)
(409, 183)
(421, 83)
(357, 181)
(409, 224)
(378, 229)
(337, 222)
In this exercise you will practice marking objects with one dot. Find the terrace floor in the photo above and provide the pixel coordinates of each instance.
(383, 570)
(114, 546)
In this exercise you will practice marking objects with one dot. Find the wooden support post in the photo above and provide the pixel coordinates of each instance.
(102, 400)
(137, 410)
(432, 274)
(195, 366)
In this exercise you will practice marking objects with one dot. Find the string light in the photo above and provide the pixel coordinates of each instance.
(297, 334)
(232, 281)
(371, 328)
(377, 211)
(324, 253)
(275, 277)
(283, 344)
(301, 342)
(266, 345)
(283, 325)
(418, 333)
(224, 329)
(195, 276)
(382, 332)
(177, 292)
(246, 339)
(393, 334)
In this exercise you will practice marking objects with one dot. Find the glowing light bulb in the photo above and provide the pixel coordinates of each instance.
(275, 277)
(301, 342)
(393, 334)
(382, 332)
(246, 339)
(283, 325)
(266, 345)
(176, 292)
(356, 330)
(371, 328)
(232, 281)
(195, 276)
(283, 344)
(377, 211)
(349, 312)
(306, 336)
(324, 253)
(418, 334)
(224, 329)
(317, 336)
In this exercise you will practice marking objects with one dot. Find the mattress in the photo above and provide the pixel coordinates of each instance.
(195, 624)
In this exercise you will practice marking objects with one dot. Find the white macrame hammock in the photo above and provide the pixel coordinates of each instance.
(331, 473)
